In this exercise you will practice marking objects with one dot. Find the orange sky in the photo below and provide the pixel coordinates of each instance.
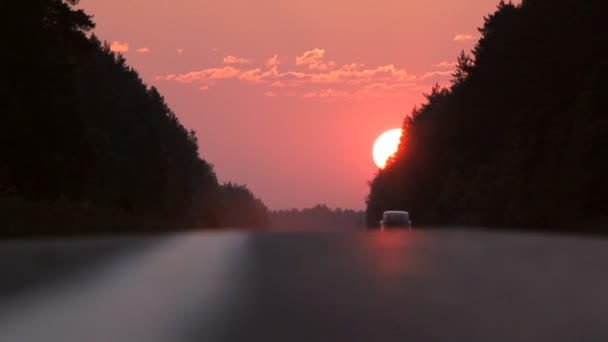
(288, 97)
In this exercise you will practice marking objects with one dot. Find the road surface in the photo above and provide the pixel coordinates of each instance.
(452, 285)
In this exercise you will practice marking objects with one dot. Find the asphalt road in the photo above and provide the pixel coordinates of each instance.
(366, 286)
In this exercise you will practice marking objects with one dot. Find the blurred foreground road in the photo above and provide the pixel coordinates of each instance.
(366, 286)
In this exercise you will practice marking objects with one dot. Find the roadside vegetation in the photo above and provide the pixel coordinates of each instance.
(519, 138)
(319, 217)
(87, 146)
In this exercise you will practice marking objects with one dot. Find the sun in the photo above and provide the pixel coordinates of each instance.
(385, 146)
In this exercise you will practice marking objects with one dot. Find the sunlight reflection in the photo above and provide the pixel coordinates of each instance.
(390, 252)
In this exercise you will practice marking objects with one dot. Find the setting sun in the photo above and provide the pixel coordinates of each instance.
(385, 146)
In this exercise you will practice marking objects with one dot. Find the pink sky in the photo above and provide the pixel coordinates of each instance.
(288, 97)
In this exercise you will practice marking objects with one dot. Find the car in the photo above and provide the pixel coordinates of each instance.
(395, 219)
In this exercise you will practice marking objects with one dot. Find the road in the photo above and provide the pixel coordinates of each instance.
(454, 285)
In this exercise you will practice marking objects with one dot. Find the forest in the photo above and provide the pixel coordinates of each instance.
(88, 147)
(519, 138)
(319, 217)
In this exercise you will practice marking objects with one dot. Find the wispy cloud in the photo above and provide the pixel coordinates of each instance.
(360, 75)
(251, 75)
(435, 74)
(314, 60)
(117, 46)
(273, 61)
(203, 76)
(235, 60)
(143, 50)
(445, 64)
(463, 37)
(375, 90)
(311, 76)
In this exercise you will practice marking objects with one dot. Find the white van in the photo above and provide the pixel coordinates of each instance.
(395, 219)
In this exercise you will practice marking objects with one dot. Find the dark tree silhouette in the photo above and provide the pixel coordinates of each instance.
(517, 139)
(240, 208)
(87, 145)
(319, 217)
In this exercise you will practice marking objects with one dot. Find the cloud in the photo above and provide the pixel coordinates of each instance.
(202, 76)
(235, 60)
(319, 79)
(117, 46)
(445, 64)
(355, 76)
(436, 73)
(463, 37)
(314, 60)
(281, 84)
(327, 93)
(252, 75)
(374, 90)
(273, 61)
(143, 50)
(310, 57)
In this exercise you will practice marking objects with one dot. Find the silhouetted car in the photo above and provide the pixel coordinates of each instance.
(395, 219)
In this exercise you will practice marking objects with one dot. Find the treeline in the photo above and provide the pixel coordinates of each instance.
(520, 137)
(319, 217)
(82, 133)
(240, 208)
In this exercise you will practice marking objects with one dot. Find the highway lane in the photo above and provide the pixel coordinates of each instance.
(454, 285)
